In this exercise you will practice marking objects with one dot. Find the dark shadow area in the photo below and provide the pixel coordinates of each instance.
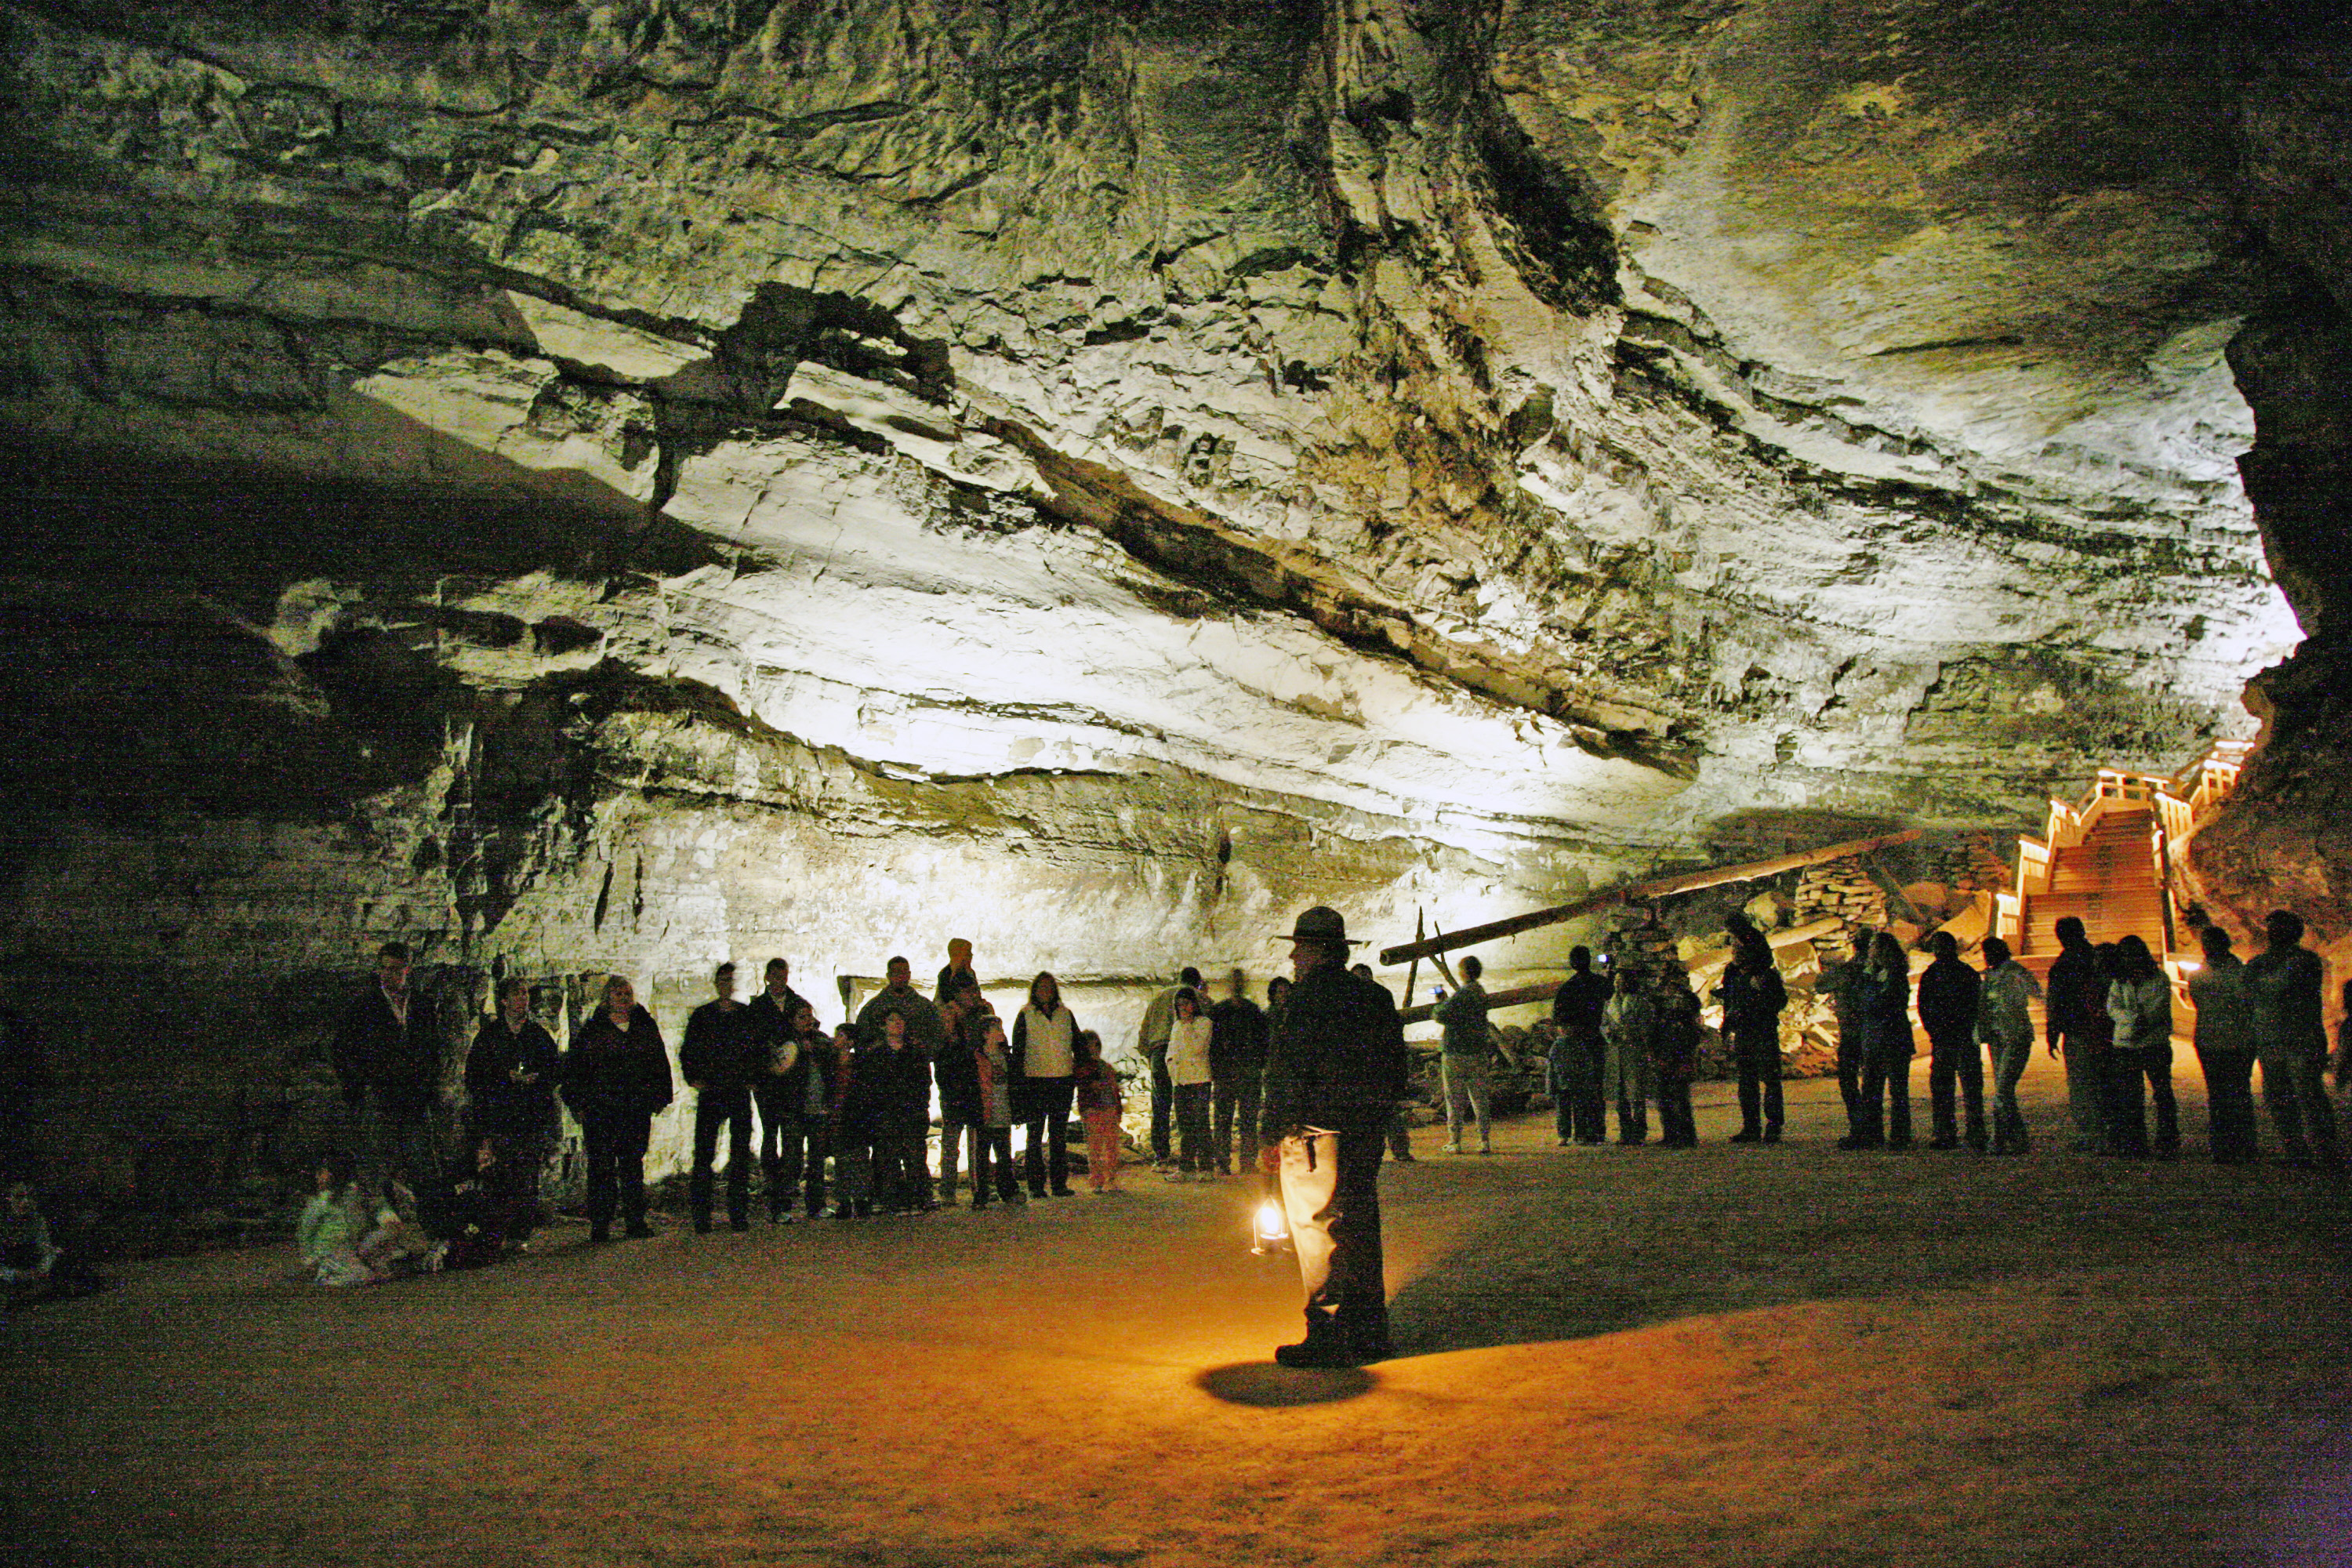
(1269, 1386)
(1586, 1246)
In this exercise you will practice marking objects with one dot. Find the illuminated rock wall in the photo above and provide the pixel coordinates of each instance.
(586, 489)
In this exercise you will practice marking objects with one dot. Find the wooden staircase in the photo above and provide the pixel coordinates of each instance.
(2108, 881)
(2104, 858)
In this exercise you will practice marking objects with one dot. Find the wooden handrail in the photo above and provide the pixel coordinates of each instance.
(1688, 882)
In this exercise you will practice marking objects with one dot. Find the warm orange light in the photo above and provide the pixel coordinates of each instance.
(1270, 1234)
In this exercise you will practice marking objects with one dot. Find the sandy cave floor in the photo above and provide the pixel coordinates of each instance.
(1613, 1355)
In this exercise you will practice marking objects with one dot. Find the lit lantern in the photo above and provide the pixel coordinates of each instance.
(1269, 1232)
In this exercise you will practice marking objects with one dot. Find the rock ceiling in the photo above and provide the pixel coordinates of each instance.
(1545, 434)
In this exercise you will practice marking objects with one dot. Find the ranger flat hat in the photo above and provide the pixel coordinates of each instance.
(1322, 923)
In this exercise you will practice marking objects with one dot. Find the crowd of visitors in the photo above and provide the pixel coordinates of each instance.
(837, 1123)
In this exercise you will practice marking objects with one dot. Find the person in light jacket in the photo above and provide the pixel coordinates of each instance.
(1629, 1025)
(2006, 1027)
(2225, 1049)
(1190, 1040)
(2140, 1003)
(1467, 1061)
(1044, 1056)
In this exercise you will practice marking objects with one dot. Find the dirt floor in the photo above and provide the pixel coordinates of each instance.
(1732, 1355)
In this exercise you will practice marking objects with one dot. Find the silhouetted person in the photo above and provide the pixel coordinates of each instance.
(958, 964)
(511, 1089)
(2076, 1022)
(782, 1105)
(2284, 982)
(1398, 1131)
(802, 1097)
(926, 1035)
(1753, 995)
(721, 1058)
(1580, 1052)
(1674, 1055)
(2139, 1002)
(615, 1077)
(387, 1052)
(1237, 1073)
(1334, 1071)
(2005, 1025)
(1886, 1062)
(1846, 987)
(2225, 1049)
(1948, 994)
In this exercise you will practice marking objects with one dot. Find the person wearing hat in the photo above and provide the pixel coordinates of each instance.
(1335, 1066)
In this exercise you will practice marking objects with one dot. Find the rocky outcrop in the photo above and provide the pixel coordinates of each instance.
(1097, 477)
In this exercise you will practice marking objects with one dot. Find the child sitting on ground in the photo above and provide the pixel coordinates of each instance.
(332, 1225)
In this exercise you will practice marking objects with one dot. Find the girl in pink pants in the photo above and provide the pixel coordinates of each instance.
(1100, 1105)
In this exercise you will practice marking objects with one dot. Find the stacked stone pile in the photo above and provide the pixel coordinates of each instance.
(1845, 888)
(1966, 862)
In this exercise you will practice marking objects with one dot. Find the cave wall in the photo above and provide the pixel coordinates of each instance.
(2279, 843)
(602, 488)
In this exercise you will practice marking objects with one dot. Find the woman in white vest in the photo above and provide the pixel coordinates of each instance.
(1045, 1045)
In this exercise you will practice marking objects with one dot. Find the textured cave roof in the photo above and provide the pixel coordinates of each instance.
(1547, 421)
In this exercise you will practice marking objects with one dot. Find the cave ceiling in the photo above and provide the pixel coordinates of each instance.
(1519, 426)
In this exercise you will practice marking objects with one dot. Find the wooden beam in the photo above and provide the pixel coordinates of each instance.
(1542, 990)
(1516, 996)
(1688, 882)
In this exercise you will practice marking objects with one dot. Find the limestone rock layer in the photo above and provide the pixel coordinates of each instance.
(615, 487)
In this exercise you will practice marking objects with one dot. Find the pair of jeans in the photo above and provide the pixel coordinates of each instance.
(2008, 1063)
(2298, 1102)
(1232, 1099)
(1677, 1128)
(1047, 1159)
(2085, 1095)
(953, 1135)
(1955, 1063)
(2126, 1109)
(730, 1107)
(1331, 1194)
(1465, 1094)
(992, 1145)
(1886, 1098)
(396, 1138)
(803, 1142)
(1583, 1113)
(1400, 1134)
(2229, 1104)
(1194, 1146)
(1757, 1058)
(1163, 1102)
(1625, 1078)
(780, 1131)
(1851, 1056)
(615, 1148)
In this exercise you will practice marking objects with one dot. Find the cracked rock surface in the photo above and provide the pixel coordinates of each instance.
(614, 487)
